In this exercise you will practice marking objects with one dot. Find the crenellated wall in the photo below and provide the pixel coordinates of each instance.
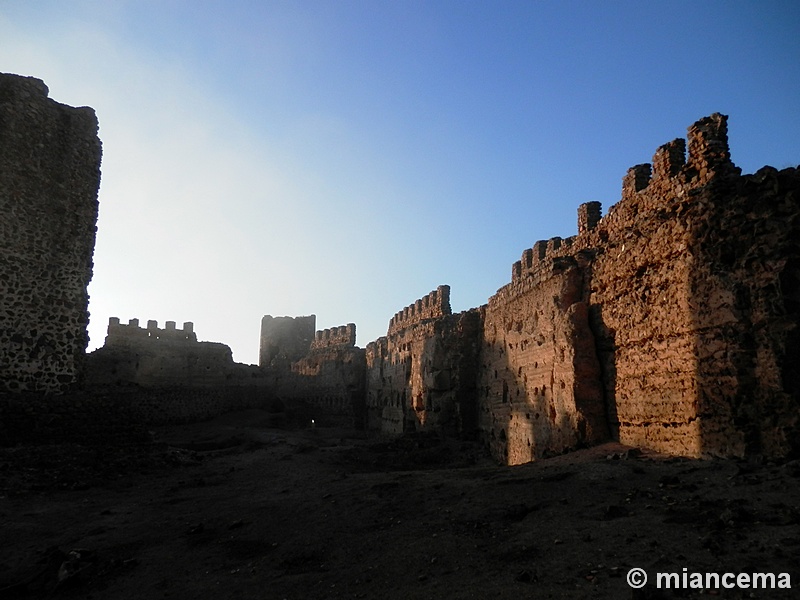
(672, 322)
(434, 305)
(421, 376)
(153, 357)
(331, 379)
(540, 389)
(689, 289)
(120, 334)
(344, 335)
(49, 177)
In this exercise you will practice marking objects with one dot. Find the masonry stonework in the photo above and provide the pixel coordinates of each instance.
(421, 376)
(691, 287)
(285, 339)
(540, 385)
(672, 322)
(154, 357)
(331, 378)
(49, 178)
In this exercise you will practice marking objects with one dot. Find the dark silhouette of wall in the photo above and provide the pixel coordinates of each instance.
(49, 177)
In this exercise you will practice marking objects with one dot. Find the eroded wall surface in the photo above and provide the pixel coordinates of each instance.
(690, 303)
(540, 386)
(691, 286)
(49, 178)
(331, 378)
(285, 339)
(422, 375)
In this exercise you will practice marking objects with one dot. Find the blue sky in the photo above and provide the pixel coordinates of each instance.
(344, 158)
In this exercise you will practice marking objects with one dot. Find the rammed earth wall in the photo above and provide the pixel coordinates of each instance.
(691, 285)
(670, 323)
(540, 383)
(49, 177)
(422, 375)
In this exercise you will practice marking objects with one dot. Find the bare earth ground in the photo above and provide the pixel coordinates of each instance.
(234, 509)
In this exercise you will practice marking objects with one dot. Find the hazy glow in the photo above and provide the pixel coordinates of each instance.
(345, 158)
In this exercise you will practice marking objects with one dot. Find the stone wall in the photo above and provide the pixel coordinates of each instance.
(285, 339)
(49, 178)
(671, 323)
(153, 357)
(691, 286)
(688, 302)
(745, 287)
(422, 375)
(434, 305)
(330, 379)
(344, 335)
(540, 385)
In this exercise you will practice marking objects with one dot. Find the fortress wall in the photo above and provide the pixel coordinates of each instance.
(672, 322)
(153, 357)
(121, 334)
(434, 305)
(690, 306)
(540, 391)
(691, 283)
(331, 380)
(285, 339)
(641, 314)
(746, 290)
(344, 335)
(422, 375)
(49, 178)
(378, 394)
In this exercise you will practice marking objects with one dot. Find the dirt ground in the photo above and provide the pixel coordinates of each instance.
(234, 509)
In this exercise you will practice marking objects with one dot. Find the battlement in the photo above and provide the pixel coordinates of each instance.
(709, 156)
(589, 215)
(544, 251)
(119, 333)
(434, 305)
(644, 187)
(344, 335)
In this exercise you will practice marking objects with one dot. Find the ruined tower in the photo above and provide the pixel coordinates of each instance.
(49, 178)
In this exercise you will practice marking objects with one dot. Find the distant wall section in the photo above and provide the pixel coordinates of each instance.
(331, 377)
(422, 375)
(154, 357)
(285, 339)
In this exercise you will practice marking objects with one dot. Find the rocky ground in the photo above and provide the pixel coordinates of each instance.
(233, 509)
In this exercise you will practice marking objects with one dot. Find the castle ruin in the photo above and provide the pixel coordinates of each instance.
(49, 178)
(669, 323)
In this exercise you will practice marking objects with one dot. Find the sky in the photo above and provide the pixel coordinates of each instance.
(343, 157)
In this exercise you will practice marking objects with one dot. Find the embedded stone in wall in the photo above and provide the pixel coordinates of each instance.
(49, 177)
